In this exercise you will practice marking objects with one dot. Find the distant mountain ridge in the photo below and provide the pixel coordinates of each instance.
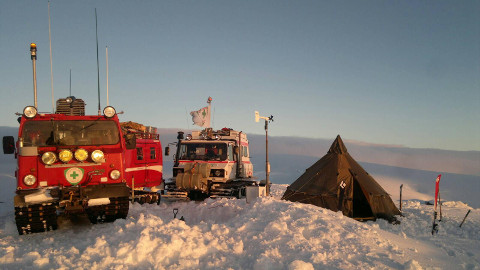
(458, 162)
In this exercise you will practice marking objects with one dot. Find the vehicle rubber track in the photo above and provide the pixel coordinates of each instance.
(142, 197)
(36, 218)
(175, 195)
(117, 208)
(171, 193)
(234, 189)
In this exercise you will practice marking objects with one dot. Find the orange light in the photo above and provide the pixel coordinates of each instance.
(33, 45)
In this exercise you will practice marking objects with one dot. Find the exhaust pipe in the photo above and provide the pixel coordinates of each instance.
(33, 53)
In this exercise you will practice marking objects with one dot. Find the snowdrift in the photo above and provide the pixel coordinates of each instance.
(231, 234)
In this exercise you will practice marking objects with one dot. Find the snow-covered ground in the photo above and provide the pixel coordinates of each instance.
(269, 233)
(266, 234)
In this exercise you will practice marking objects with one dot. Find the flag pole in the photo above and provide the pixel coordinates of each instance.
(209, 101)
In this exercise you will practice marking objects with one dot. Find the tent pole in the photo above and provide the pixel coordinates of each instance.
(401, 186)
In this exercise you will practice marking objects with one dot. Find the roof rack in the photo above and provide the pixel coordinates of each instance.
(145, 135)
(140, 131)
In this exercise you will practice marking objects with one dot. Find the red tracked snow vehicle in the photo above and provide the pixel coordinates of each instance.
(70, 164)
(143, 162)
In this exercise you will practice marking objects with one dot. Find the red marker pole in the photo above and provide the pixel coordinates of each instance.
(435, 225)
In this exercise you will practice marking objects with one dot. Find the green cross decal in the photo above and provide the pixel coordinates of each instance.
(204, 113)
(74, 175)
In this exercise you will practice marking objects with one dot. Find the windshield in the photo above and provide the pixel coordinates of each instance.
(48, 133)
(203, 151)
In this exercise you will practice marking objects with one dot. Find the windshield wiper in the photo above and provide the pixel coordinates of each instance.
(92, 124)
(50, 140)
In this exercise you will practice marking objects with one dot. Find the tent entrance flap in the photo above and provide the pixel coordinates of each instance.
(361, 207)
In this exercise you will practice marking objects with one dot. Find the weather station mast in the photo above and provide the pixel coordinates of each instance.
(267, 163)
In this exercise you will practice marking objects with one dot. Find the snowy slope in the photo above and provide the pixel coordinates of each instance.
(266, 234)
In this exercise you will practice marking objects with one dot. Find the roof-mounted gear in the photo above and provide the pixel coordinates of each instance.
(71, 106)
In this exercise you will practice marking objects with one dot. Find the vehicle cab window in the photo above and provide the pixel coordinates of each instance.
(153, 153)
(230, 153)
(139, 153)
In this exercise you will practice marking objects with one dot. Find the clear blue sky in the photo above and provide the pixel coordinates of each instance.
(389, 72)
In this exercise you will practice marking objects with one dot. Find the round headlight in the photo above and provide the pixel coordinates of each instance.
(30, 111)
(65, 155)
(109, 112)
(97, 156)
(29, 180)
(49, 158)
(218, 173)
(81, 154)
(115, 174)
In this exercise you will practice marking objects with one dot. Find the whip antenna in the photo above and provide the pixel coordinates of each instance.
(51, 61)
(106, 49)
(98, 68)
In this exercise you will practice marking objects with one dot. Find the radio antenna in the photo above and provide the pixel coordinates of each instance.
(70, 82)
(98, 67)
(186, 114)
(51, 61)
(106, 50)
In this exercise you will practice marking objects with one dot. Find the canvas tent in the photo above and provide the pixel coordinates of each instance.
(339, 183)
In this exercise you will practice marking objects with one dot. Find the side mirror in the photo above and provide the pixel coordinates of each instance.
(8, 145)
(130, 141)
(167, 151)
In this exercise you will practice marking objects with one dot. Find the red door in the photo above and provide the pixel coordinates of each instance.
(153, 165)
(139, 171)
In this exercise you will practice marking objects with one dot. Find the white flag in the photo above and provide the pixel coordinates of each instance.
(201, 117)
